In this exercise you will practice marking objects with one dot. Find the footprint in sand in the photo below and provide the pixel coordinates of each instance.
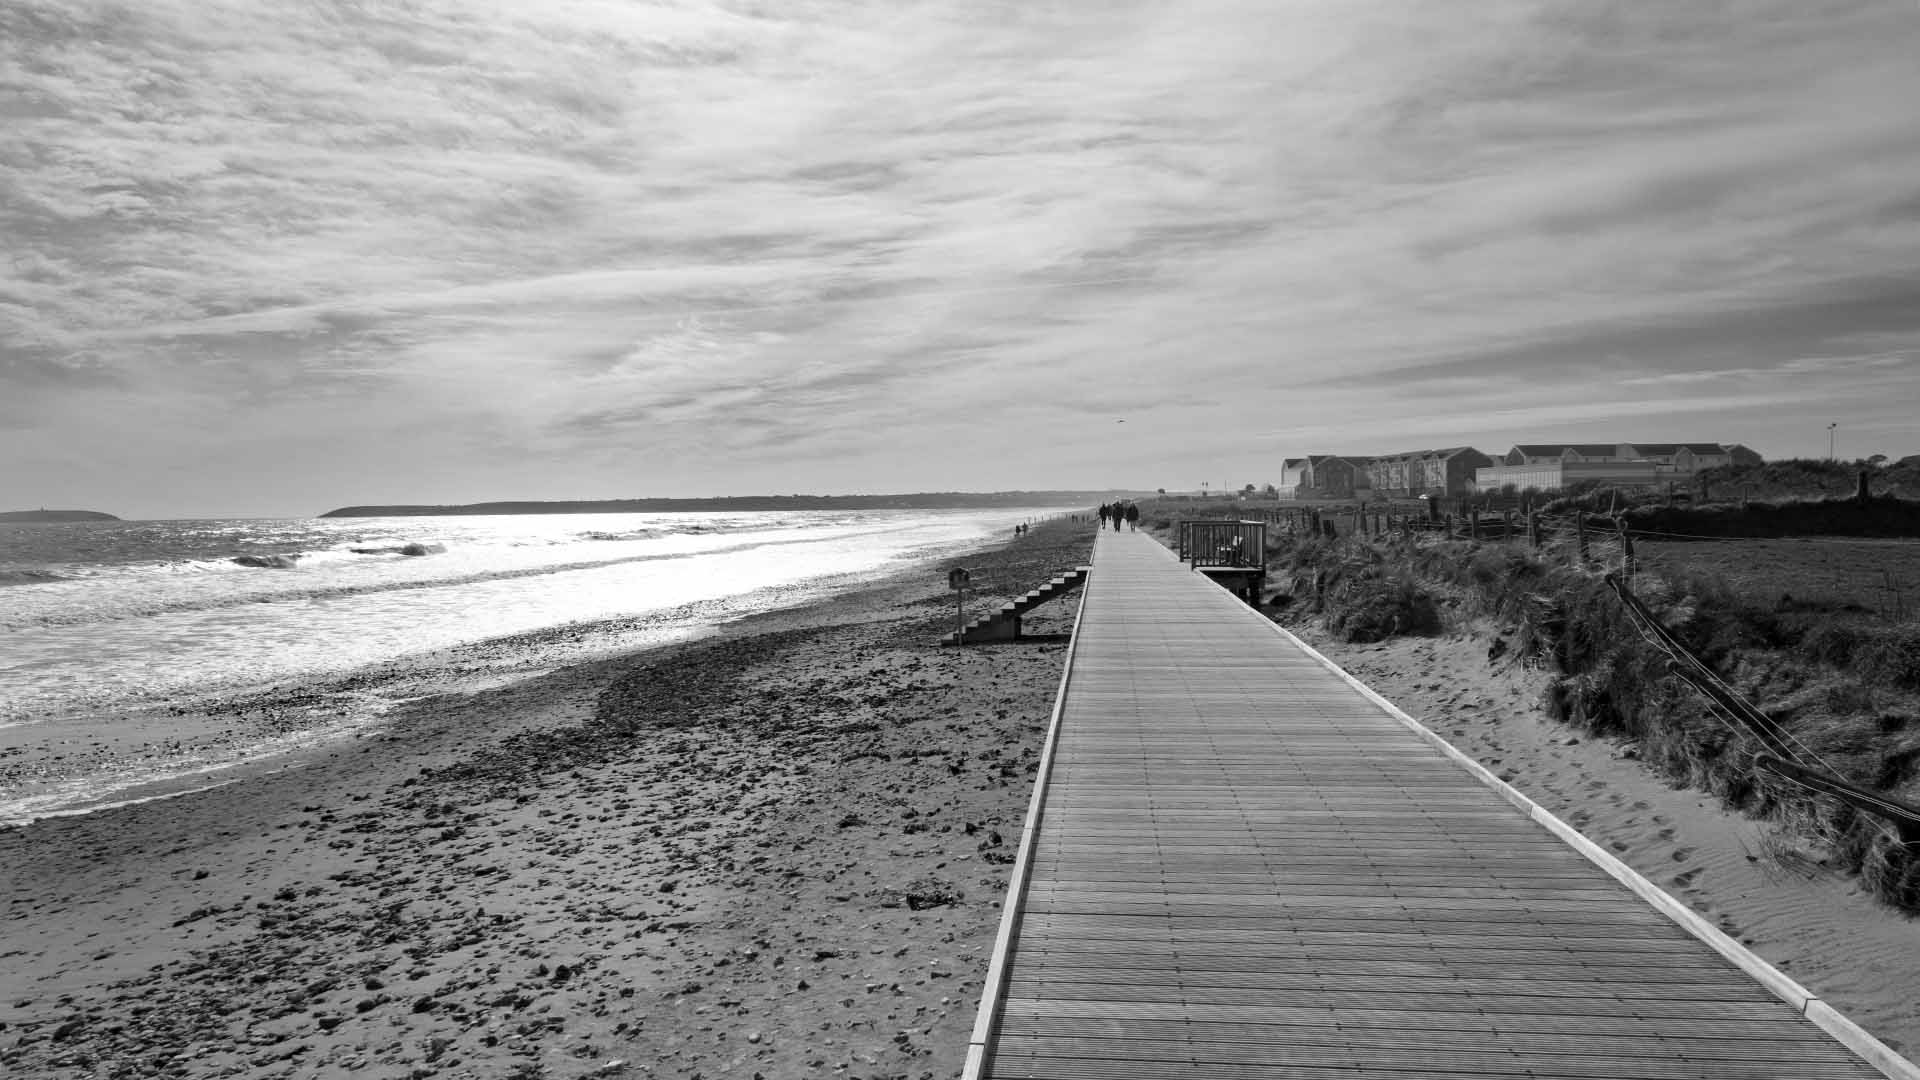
(1686, 879)
(1665, 834)
(1619, 845)
(1643, 806)
(1682, 854)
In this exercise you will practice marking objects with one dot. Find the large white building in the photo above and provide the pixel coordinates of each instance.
(1550, 466)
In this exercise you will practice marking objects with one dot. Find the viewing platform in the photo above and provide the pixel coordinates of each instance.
(1240, 862)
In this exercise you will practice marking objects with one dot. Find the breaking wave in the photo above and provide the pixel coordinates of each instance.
(210, 585)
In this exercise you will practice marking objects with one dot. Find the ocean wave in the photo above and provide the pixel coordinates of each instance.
(29, 577)
(411, 549)
(269, 562)
(81, 610)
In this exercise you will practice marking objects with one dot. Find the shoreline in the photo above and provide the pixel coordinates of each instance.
(687, 859)
(167, 747)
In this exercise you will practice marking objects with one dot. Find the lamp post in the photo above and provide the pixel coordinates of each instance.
(1830, 428)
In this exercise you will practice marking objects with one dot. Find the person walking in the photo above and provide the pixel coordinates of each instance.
(1133, 517)
(1105, 512)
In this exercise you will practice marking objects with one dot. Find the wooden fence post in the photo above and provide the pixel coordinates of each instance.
(1580, 533)
(1533, 529)
(1626, 551)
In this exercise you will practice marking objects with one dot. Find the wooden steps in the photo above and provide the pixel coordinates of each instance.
(1003, 624)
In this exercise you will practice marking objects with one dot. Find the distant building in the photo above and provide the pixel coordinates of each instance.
(1460, 470)
(1552, 475)
(1292, 471)
(1671, 457)
(1448, 471)
(1547, 453)
(1323, 476)
(1683, 458)
(1550, 466)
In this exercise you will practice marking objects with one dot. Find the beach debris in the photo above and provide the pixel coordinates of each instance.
(921, 894)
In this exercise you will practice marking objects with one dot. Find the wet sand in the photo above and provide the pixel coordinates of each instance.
(777, 852)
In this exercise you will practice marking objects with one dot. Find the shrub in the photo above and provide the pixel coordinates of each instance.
(1891, 655)
(1371, 606)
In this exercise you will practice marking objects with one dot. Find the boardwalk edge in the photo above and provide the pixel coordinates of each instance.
(995, 988)
(1849, 1034)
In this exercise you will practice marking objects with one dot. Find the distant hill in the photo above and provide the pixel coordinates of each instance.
(55, 515)
(926, 500)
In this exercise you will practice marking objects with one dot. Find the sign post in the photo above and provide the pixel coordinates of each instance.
(958, 579)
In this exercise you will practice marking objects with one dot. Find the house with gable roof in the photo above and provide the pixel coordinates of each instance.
(1323, 476)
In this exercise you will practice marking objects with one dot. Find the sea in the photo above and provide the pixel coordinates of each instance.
(142, 660)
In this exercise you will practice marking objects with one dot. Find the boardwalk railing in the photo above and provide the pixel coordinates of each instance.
(1223, 543)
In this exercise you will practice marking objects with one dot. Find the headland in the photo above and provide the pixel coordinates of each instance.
(52, 516)
(924, 500)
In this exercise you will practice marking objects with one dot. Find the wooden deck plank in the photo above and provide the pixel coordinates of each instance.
(1243, 866)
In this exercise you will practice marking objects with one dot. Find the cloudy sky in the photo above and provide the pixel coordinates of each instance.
(266, 257)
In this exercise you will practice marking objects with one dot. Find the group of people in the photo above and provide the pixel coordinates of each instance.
(1118, 512)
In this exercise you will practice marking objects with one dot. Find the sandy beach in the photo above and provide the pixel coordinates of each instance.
(779, 851)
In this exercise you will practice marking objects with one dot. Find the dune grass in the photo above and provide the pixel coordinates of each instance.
(1845, 683)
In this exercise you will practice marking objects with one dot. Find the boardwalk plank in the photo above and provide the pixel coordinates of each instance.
(1244, 867)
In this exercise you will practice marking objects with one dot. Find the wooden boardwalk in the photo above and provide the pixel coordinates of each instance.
(1246, 866)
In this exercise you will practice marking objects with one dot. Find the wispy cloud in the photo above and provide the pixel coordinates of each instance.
(597, 247)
